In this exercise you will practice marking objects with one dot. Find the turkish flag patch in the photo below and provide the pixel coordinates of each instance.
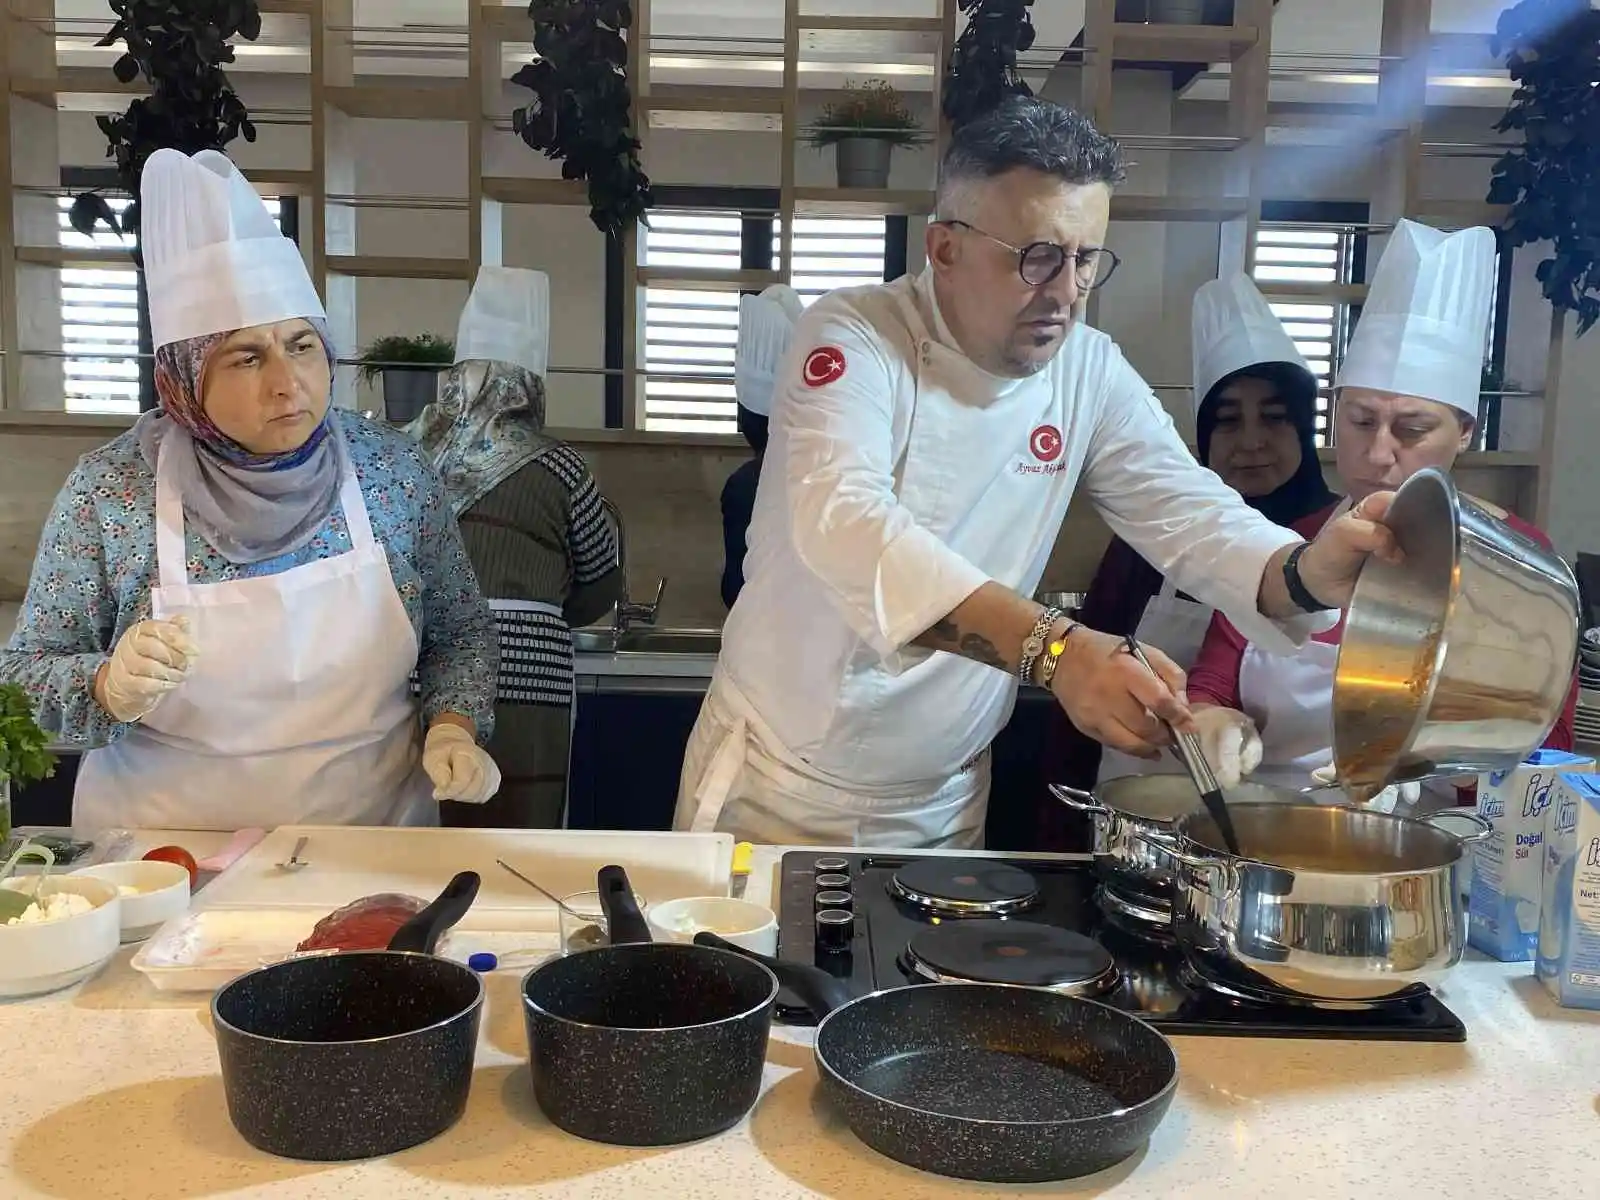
(1046, 443)
(823, 365)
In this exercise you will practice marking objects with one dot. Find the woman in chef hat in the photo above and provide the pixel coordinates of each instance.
(1255, 426)
(534, 528)
(766, 325)
(1408, 395)
(230, 600)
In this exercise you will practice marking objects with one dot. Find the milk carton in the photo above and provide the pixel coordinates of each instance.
(1569, 925)
(1508, 865)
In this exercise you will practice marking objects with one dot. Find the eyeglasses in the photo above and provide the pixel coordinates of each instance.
(1040, 262)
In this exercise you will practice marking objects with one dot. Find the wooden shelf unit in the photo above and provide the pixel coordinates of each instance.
(35, 85)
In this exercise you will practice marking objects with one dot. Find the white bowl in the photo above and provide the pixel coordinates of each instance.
(742, 922)
(35, 959)
(163, 893)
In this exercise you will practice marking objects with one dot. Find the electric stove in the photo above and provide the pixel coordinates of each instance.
(884, 920)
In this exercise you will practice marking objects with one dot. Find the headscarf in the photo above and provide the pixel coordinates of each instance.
(1304, 492)
(249, 507)
(486, 425)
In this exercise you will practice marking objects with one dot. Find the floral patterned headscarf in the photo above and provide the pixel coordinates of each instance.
(486, 425)
(249, 507)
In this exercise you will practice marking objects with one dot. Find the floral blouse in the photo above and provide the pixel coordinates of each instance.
(97, 562)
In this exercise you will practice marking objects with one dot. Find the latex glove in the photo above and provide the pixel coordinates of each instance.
(1386, 800)
(148, 661)
(460, 769)
(1230, 742)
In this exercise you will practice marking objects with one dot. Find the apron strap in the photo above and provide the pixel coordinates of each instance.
(727, 764)
(172, 569)
(355, 510)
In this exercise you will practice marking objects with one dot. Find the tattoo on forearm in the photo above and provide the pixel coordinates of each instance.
(945, 634)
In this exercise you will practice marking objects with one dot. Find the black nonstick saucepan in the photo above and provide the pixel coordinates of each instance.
(649, 1044)
(332, 1057)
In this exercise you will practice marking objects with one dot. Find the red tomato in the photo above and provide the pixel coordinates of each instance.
(176, 854)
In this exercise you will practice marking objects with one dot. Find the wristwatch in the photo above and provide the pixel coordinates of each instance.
(1298, 592)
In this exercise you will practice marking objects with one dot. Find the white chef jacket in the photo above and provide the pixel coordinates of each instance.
(892, 489)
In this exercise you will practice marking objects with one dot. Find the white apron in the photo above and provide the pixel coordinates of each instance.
(1176, 626)
(738, 779)
(1290, 698)
(298, 710)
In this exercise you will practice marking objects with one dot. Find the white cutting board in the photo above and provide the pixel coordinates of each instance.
(348, 862)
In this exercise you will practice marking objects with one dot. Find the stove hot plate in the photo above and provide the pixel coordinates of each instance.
(964, 887)
(1024, 953)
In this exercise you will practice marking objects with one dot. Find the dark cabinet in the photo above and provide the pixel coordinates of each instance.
(627, 752)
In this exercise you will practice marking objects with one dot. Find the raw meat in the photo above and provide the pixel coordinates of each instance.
(364, 924)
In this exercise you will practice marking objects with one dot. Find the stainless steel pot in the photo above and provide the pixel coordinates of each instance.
(1328, 904)
(1134, 819)
(1459, 660)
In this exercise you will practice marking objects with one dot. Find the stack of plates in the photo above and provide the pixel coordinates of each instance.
(1589, 660)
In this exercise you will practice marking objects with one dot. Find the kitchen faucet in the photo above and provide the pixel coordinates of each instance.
(629, 611)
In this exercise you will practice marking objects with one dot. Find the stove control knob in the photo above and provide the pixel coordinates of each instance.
(831, 865)
(835, 930)
(833, 883)
(835, 900)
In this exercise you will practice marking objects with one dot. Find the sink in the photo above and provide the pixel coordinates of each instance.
(644, 640)
(593, 641)
(670, 641)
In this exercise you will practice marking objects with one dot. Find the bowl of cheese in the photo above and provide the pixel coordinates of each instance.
(742, 922)
(152, 893)
(69, 930)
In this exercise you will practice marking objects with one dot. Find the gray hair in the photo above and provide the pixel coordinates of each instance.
(1023, 131)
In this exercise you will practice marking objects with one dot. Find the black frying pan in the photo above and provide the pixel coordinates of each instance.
(985, 1081)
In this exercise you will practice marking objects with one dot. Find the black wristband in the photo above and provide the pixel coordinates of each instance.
(1303, 599)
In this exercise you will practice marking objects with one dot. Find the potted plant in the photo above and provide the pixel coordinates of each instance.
(178, 48)
(409, 367)
(581, 114)
(982, 69)
(23, 754)
(864, 126)
(1552, 51)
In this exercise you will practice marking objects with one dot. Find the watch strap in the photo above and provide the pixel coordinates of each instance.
(1035, 643)
(1298, 592)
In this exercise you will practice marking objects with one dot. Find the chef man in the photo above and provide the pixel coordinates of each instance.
(928, 439)
(1408, 395)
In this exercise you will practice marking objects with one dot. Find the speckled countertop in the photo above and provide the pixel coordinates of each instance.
(111, 1092)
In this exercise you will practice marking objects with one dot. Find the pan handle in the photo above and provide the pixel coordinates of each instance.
(1214, 872)
(421, 933)
(817, 990)
(1080, 800)
(624, 922)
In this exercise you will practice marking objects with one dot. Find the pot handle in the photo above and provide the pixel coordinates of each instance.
(1479, 828)
(421, 934)
(817, 990)
(1074, 798)
(1216, 872)
(624, 922)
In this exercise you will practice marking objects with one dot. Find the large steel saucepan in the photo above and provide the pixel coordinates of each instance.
(1326, 903)
(1459, 659)
(1135, 819)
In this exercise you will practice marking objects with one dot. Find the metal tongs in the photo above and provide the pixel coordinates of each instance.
(1194, 761)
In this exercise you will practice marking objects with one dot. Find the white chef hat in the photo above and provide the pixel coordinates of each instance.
(1425, 323)
(766, 326)
(213, 256)
(507, 318)
(1232, 328)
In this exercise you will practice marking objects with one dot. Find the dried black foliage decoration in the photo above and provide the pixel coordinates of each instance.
(982, 70)
(581, 114)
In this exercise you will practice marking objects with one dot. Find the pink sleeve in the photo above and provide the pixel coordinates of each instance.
(1214, 678)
